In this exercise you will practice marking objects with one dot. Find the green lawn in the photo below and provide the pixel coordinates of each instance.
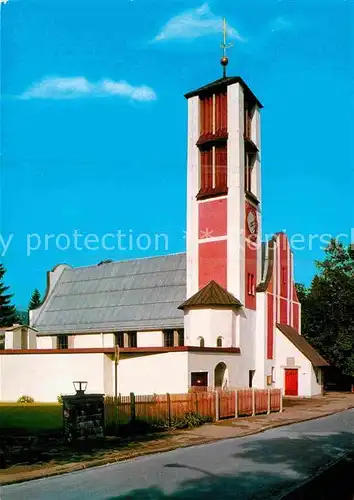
(31, 417)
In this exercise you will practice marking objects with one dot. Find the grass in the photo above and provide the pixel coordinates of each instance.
(30, 417)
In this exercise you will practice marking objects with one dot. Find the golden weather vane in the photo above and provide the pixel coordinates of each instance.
(225, 46)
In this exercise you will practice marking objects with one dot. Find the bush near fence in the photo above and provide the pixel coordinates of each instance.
(164, 409)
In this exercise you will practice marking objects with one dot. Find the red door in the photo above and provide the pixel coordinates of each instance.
(291, 382)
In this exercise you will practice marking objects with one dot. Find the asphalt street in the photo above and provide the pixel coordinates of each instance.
(261, 466)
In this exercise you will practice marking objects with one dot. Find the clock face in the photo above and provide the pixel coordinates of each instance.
(252, 222)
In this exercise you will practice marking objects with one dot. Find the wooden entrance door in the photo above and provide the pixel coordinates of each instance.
(291, 382)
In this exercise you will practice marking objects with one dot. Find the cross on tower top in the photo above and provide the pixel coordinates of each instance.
(225, 60)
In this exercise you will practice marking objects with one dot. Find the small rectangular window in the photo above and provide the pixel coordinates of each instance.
(63, 342)
(181, 338)
(119, 339)
(168, 338)
(132, 339)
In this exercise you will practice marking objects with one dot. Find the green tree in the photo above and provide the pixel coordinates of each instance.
(8, 315)
(23, 317)
(35, 300)
(328, 308)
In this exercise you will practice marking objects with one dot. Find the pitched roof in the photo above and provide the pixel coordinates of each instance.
(14, 327)
(212, 295)
(301, 343)
(141, 294)
(222, 83)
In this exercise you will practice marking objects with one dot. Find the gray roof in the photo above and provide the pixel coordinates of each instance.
(141, 294)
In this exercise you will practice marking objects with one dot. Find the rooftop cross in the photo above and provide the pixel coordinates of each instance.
(225, 46)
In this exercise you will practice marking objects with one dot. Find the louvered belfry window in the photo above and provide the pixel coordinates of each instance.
(213, 144)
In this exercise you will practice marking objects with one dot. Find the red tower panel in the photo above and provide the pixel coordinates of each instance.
(250, 263)
(270, 325)
(213, 263)
(284, 311)
(284, 266)
(213, 218)
(296, 317)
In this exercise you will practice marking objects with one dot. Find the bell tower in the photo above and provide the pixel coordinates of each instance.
(224, 187)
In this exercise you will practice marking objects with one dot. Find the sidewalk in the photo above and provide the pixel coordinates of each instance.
(294, 411)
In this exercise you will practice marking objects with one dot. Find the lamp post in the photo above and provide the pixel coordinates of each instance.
(80, 386)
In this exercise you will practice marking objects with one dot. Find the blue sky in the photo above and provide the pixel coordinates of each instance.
(94, 120)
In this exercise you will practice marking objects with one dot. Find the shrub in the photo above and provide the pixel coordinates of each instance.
(25, 399)
(60, 399)
(189, 420)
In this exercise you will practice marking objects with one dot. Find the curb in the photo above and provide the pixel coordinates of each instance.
(66, 469)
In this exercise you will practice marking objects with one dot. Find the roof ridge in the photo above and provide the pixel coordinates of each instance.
(211, 294)
(150, 257)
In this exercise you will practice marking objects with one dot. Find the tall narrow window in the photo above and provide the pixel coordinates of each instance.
(63, 342)
(206, 115)
(168, 338)
(219, 342)
(181, 338)
(132, 339)
(221, 166)
(249, 164)
(221, 113)
(206, 169)
(249, 110)
(119, 339)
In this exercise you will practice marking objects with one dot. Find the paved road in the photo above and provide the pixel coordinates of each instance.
(255, 467)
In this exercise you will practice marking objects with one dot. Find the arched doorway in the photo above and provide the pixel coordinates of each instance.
(221, 376)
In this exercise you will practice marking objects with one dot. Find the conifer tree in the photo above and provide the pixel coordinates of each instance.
(35, 300)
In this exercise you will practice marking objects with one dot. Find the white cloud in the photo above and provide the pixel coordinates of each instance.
(72, 88)
(193, 24)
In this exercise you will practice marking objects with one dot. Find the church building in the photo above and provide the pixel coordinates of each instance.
(224, 315)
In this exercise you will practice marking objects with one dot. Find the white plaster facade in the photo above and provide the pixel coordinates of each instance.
(45, 376)
(310, 379)
(235, 336)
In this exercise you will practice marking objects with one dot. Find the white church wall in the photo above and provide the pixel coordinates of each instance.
(221, 326)
(9, 340)
(261, 363)
(192, 189)
(83, 341)
(247, 342)
(235, 198)
(209, 324)
(150, 339)
(108, 339)
(45, 376)
(46, 342)
(153, 374)
(108, 375)
(316, 381)
(307, 385)
(207, 362)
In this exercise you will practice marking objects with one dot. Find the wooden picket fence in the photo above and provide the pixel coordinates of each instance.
(164, 408)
